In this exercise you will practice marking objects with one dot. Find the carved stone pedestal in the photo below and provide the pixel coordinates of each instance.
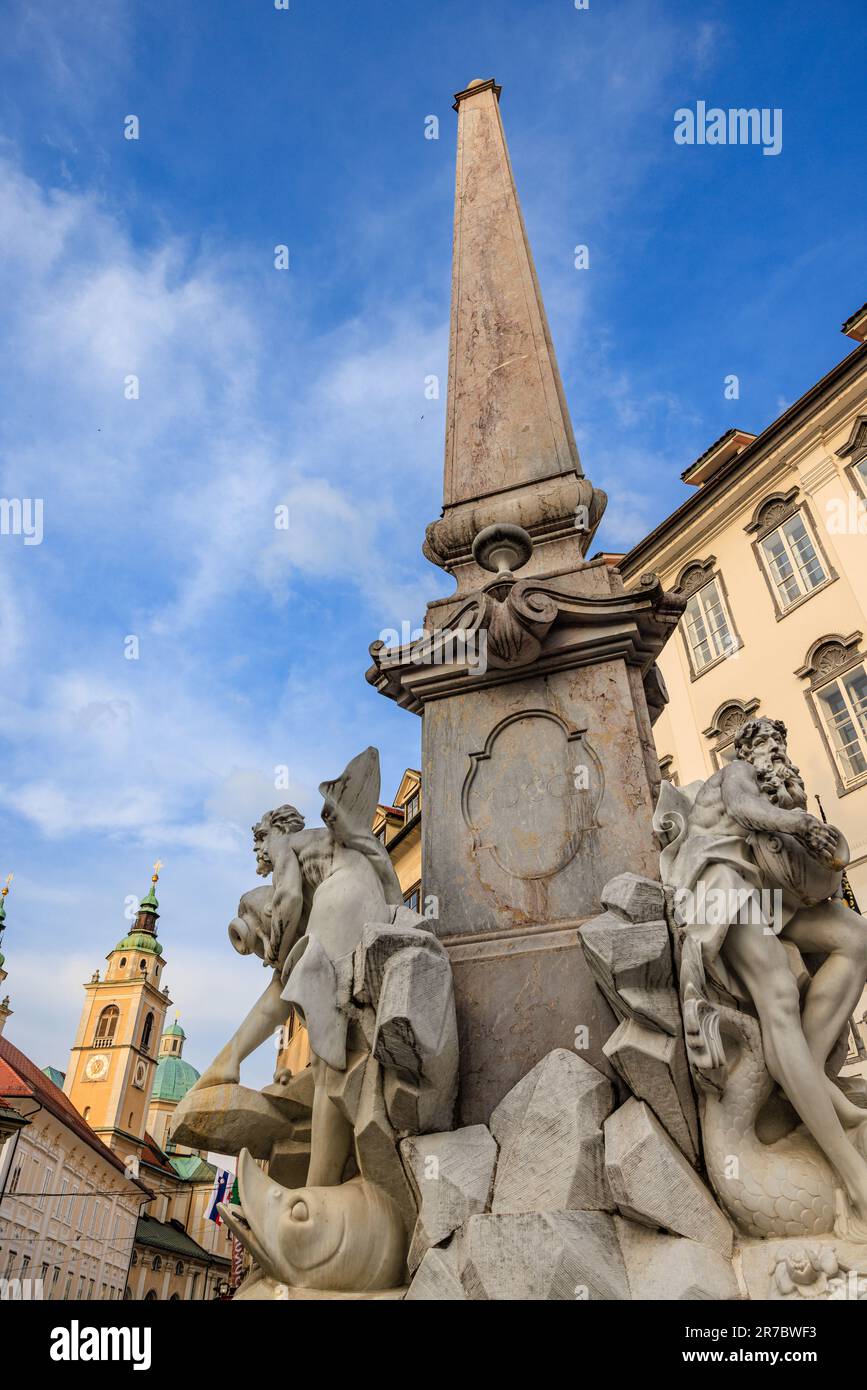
(540, 776)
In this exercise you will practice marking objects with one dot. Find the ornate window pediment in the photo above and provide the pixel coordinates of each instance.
(855, 447)
(694, 575)
(667, 770)
(772, 512)
(725, 726)
(828, 656)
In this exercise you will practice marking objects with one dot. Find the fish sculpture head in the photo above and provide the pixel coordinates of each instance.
(345, 1238)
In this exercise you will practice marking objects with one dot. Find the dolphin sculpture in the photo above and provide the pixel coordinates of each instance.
(348, 1238)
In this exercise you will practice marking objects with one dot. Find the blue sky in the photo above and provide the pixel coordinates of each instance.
(305, 387)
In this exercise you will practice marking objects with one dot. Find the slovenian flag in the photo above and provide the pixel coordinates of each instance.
(222, 1179)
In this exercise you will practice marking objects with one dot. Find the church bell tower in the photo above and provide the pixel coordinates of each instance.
(114, 1057)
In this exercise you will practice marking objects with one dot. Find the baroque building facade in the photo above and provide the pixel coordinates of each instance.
(770, 552)
(68, 1204)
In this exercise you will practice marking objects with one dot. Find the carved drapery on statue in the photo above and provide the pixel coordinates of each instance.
(756, 882)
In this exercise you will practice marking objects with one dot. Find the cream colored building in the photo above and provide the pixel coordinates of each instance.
(68, 1206)
(771, 552)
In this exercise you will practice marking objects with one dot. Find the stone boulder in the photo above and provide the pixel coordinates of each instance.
(451, 1175)
(671, 1268)
(631, 964)
(552, 1256)
(655, 1069)
(634, 898)
(653, 1183)
(437, 1278)
(549, 1128)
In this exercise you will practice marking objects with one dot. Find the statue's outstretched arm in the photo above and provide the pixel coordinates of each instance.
(268, 1014)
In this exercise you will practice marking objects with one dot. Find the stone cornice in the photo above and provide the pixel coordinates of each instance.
(516, 627)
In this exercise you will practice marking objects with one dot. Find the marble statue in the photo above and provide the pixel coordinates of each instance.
(327, 883)
(373, 986)
(757, 882)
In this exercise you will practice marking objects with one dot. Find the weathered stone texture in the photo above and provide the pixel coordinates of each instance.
(634, 898)
(671, 1268)
(451, 1174)
(632, 966)
(557, 1256)
(549, 1128)
(653, 1183)
(655, 1069)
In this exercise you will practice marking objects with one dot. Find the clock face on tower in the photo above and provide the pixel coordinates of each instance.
(97, 1067)
(140, 1075)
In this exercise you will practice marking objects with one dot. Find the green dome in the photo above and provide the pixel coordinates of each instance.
(174, 1030)
(149, 903)
(140, 941)
(174, 1077)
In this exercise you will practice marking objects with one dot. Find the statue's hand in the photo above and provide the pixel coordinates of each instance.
(216, 1075)
(818, 838)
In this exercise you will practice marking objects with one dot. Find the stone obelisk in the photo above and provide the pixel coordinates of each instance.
(536, 678)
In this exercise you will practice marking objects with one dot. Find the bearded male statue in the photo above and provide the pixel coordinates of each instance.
(756, 876)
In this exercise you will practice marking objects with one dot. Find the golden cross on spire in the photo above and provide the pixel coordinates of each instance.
(157, 866)
(5, 889)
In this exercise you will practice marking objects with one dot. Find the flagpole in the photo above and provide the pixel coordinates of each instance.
(852, 902)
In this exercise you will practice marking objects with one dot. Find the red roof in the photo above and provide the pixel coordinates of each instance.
(152, 1153)
(37, 1084)
(11, 1084)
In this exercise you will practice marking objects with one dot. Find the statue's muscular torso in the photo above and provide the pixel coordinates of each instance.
(710, 811)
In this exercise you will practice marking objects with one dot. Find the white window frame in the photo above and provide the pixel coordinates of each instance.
(717, 651)
(854, 714)
(797, 572)
(46, 1183)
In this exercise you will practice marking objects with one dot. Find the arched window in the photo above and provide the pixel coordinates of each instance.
(157, 1264)
(837, 671)
(150, 1296)
(135, 1257)
(175, 1298)
(122, 962)
(147, 1031)
(179, 1267)
(107, 1024)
